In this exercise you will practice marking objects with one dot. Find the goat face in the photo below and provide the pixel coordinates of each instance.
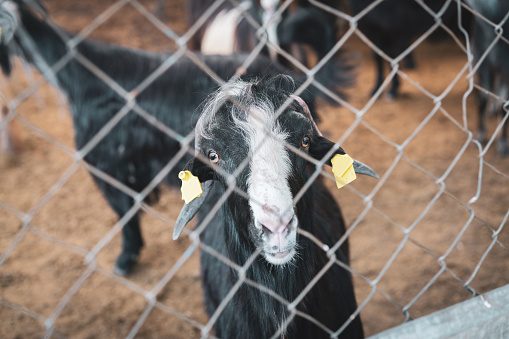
(243, 137)
(241, 134)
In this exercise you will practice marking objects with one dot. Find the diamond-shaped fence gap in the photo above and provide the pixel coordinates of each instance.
(74, 16)
(435, 147)
(437, 65)
(138, 31)
(16, 323)
(51, 118)
(173, 326)
(42, 264)
(463, 183)
(157, 257)
(397, 120)
(372, 244)
(350, 200)
(374, 321)
(442, 223)
(444, 54)
(28, 178)
(410, 272)
(183, 293)
(469, 251)
(159, 209)
(22, 77)
(406, 187)
(97, 295)
(487, 276)
(79, 217)
(174, 13)
(433, 299)
(333, 121)
(108, 248)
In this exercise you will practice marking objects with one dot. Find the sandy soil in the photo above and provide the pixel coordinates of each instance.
(426, 187)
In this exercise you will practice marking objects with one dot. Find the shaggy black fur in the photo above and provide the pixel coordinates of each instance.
(252, 313)
(306, 25)
(393, 25)
(134, 151)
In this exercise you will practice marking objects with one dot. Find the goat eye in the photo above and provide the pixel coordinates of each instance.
(213, 157)
(305, 142)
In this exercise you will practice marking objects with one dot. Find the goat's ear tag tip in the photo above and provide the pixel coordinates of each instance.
(191, 186)
(342, 168)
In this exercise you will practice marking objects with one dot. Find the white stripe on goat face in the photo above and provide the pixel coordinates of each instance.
(270, 198)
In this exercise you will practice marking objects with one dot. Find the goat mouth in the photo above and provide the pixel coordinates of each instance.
(279, 258)
(279, 255)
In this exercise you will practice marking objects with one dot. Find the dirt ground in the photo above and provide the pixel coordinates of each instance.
(427, 186)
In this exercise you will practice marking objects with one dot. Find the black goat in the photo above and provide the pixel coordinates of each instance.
(134, 151)
(493, 72)
(311, 26)
(228, 43)
(228, 30)
(393, 25)
(239, 123)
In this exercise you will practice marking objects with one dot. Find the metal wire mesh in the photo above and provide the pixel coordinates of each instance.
(435, 219)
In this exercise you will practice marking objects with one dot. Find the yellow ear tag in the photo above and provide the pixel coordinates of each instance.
(342, 168)
(191, 186)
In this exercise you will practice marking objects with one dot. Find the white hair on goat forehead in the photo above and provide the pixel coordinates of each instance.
(248, 112)
(207, 120)
(254, 117)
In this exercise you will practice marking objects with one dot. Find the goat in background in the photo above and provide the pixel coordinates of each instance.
(231, 29)
(493, 72)
(393, 25)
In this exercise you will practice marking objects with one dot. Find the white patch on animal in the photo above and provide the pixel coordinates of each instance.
(10, 20)
(219, 37)
(271, 22)
(271, 200)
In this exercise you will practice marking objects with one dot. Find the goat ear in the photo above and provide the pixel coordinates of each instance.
(204, 174)
(284, 83)
(320, 146)
(189, 210)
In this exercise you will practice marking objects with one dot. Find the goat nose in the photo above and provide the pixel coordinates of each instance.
(276, 231)
(275, 225)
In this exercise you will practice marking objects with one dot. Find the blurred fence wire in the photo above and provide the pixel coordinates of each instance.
(16, 91)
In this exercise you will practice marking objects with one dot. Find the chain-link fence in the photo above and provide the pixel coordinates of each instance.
(429, 234)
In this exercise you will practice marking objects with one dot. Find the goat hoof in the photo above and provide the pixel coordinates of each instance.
(125, 264)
